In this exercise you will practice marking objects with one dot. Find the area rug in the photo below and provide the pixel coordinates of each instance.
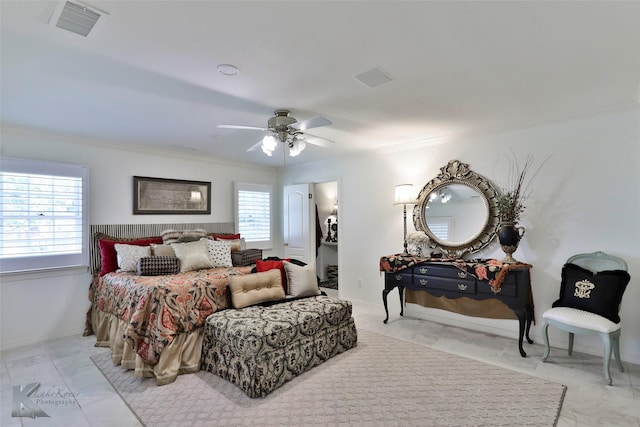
(382, 382)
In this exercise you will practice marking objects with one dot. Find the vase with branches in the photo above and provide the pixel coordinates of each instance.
(511, 203)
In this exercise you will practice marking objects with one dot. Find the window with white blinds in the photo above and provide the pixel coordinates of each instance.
(440, 227)
(253, 213)
(43, 215)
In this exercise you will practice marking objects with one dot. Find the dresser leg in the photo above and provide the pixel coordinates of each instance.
(401, 293)
(522, 321)
(385, 292)
(529, 310)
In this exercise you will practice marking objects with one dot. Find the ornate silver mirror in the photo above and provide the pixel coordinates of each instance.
(457, 210)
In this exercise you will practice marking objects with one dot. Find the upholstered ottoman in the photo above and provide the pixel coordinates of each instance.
(259, 348)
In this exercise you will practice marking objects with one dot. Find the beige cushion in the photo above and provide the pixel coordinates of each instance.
(250, 289)
(192, 255)
(302, 281)
(162, 250)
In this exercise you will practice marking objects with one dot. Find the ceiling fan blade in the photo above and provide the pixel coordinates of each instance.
(313, 122)
(241, 127)
(255, 147)
(318, 140)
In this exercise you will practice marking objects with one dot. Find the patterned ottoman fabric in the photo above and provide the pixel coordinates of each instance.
(260, 348)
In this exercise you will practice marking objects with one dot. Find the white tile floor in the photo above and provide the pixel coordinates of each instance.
(76, 393)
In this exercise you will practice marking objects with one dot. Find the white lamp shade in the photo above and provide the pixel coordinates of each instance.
(404, 194)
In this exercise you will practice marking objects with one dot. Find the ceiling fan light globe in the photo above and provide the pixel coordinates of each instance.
(296, 146)
(269, 143)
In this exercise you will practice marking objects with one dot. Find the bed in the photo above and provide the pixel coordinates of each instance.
(153, 324)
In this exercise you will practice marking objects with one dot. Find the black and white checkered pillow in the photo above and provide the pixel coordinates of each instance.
(158, 265)
(246, 256)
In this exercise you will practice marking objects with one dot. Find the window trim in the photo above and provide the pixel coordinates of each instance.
(266, 188)
(30, 264)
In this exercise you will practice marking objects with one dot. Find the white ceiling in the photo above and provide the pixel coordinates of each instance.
(147, 75)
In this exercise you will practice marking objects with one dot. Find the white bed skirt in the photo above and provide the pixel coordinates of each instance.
(182, 356)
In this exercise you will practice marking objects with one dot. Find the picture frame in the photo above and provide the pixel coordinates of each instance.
(162, 196)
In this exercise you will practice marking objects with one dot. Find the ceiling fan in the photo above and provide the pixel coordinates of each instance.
(286, 129)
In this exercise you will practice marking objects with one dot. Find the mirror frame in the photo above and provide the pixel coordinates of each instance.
(457, 172)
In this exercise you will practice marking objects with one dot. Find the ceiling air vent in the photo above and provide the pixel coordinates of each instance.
(75, 17)
(374, 77)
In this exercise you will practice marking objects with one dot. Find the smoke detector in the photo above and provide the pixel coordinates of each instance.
(76, 17)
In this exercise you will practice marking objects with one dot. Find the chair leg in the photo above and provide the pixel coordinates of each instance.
(606, 340)
(570, 349)
(545, 336)
(616, 351)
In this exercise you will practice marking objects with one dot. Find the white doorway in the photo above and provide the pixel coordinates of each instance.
(299, 235)
(327, 205)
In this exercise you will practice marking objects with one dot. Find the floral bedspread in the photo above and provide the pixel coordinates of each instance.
(158, 308)
(490, 270)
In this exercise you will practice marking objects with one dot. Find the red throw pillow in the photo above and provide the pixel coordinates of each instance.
(108, 255)
(271, 265)
(225, 236)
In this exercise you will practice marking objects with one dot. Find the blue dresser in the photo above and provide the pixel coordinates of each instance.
(509, 284)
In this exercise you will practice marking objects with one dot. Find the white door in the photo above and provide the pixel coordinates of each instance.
(299, 235)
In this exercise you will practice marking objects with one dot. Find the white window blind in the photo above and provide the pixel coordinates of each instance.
(253, 213)
(43, 215)
(440, 227)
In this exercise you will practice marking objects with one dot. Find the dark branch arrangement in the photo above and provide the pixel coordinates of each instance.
(511, 201)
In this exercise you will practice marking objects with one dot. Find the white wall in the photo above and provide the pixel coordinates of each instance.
(36, 307)
(587, 198)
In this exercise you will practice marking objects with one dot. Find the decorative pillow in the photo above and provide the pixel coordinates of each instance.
(180, 236)
(158, 265)
(236, 242)
(599, 293)
(192, 255)
(246, 257)
(250, 289)
(162, 250)
(224, 236)
(219, 252)
(302, 281)
(266, 265)
(108, 256)
(128, 255)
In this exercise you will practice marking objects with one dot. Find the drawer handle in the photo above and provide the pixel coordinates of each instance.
(398, 277)
(462, 274)
(423, 270)
(462, 286)
(423, 282)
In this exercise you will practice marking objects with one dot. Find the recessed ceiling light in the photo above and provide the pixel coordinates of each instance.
(228, 69)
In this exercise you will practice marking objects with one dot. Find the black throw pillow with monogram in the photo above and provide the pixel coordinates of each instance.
(599, 293)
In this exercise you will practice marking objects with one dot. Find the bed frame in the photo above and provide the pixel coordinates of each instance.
(180, 356)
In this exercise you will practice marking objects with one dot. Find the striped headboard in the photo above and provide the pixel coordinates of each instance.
(129, 231)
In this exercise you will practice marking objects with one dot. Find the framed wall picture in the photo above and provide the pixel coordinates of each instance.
(170, 196)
